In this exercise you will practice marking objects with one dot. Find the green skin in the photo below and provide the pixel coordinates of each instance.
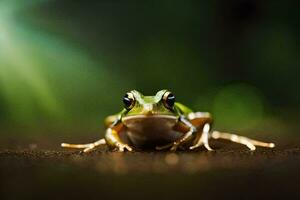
(150, 121)
(157, 106)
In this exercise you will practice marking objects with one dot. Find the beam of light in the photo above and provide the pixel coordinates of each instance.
(19, 73)
(39, 70)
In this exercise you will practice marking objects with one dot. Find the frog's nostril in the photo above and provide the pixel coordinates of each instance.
(148, 109)
(149, 112)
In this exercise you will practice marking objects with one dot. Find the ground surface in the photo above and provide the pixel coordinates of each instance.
(229, 172)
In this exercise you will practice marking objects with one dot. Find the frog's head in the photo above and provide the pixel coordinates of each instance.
(150, 118)
(163, 103)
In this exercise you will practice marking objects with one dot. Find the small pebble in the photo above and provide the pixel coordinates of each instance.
(171, 159)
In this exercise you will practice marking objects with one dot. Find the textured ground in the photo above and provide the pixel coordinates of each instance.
(229, 172)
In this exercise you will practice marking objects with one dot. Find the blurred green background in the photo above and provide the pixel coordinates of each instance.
(65, 65)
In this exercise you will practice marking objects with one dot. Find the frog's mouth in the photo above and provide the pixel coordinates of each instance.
(141, 119)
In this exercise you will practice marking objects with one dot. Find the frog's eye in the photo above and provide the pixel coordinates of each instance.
(169, 100)
(128, 100)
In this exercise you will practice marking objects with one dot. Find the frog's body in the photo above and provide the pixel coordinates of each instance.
(160, 122)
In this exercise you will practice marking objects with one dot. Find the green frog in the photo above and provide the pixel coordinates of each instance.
(160, 122)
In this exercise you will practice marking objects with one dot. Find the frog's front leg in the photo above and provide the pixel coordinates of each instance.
(113, 139)
(112, 135)
(203, 121)
(203, 138)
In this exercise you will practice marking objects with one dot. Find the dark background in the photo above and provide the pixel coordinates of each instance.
(65, 65)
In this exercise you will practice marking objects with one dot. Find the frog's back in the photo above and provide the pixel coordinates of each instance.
(184, 110)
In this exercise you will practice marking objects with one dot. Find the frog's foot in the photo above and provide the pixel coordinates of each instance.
(172, 146)
(175, 145)
(250, 143)
(164, 147)
(86, 147)
(121, 147)
(203, 140)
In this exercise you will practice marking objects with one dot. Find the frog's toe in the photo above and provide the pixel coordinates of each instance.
(172, 146)
(89, 149)
(128, 148)
(194, 147)
(122, 147)
(199, 145)
(175, 146)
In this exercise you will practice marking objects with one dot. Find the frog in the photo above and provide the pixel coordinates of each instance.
(159, 122)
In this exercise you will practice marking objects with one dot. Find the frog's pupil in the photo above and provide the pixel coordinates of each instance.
(170, 100)
(127, 101)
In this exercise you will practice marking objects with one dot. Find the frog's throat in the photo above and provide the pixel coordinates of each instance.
(151, 129)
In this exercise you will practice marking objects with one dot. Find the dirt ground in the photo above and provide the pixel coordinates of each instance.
(231, 172)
